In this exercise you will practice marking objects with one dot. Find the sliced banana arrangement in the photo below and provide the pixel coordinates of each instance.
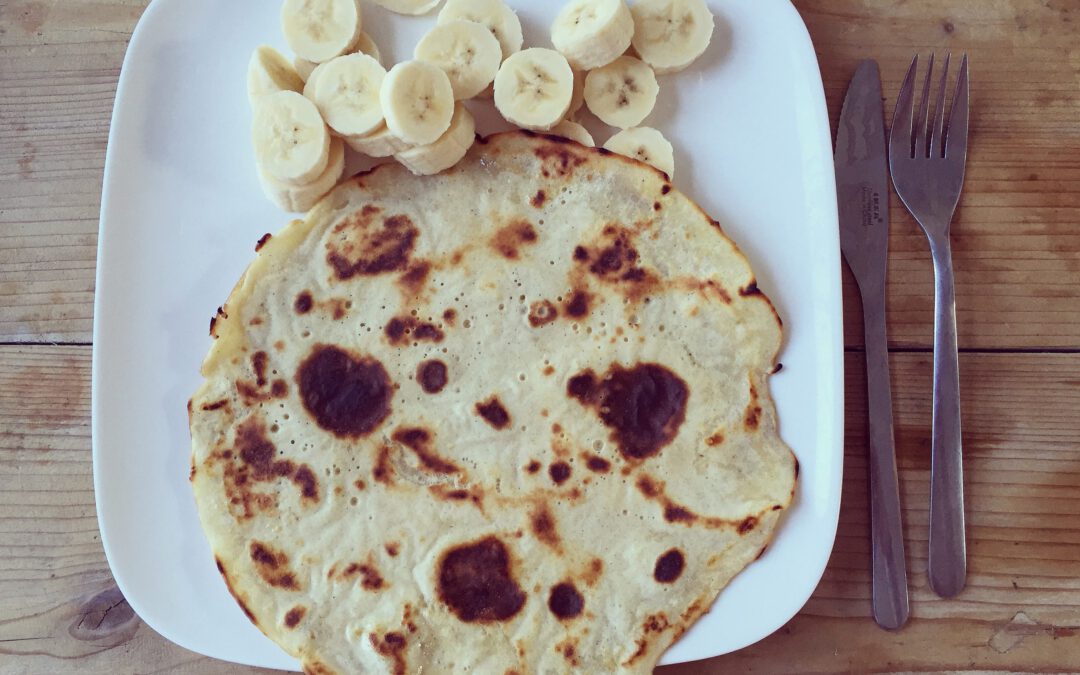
(670, 34)
(622, 93)
(533, 88)
(319, 30)
(346, 92)
(291, 141)
(647, 145)
(466, 51)
(336, 96)
(592, 33)
(417, 101)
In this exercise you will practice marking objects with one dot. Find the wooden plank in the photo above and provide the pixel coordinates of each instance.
(1015, 238)
(59, 64)
(1017, 244)
(60, 612)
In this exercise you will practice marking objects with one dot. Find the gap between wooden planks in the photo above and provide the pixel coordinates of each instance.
(60, 612)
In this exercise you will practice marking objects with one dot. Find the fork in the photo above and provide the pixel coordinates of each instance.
(927, 158)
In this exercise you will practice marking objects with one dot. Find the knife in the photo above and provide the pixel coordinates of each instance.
(862, 181)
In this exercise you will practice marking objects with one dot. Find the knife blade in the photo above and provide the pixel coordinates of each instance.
(862, 180)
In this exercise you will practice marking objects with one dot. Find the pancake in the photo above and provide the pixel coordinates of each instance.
(513, 417)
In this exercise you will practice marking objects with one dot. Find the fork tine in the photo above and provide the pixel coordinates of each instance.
(937, 141)
(957, 133)
(900, 138)
(919, 143)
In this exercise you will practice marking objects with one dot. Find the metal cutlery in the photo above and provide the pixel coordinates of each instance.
(927, 158)
(863, 194)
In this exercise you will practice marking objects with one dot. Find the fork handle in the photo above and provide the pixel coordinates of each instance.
(890, 594)
(947, 566)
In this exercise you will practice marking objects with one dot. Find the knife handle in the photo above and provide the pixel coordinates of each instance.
(890, 594)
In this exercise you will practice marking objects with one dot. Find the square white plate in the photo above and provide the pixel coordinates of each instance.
(182, 209)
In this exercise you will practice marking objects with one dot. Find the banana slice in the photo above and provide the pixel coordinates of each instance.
(304, 68)
(346, 92)
(411, 7)
(592, 33)
(269, 72)
(291, 141)
(647, 145)
(622, 93)
(365, 45)
(380, 143)
(444, 153)
(577, 99)
(494, 14)
(319, 30)
(300, 198)
(466, 51)
(670, 34)
(418, 102)
(533, 88)
(574, 132)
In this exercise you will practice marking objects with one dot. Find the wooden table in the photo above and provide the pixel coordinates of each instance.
(1017, 253)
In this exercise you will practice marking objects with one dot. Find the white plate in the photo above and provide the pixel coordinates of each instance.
(182, 209)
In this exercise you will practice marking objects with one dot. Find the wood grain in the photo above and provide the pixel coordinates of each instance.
(1017, 248)
(60, 612)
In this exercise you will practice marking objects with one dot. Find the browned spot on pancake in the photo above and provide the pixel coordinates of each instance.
(578, 304)
(259, 362)
(669, 566)
(548, 370)
(556, 159)
(476, 583)
(402, 330)
(445, 493)
(581, 254)
(677, 513)
(538, 199)
(252, 394)
(494, 413)
(279, 345)
(221, 314)
(303, 303)
(644, 405)
(543, 525)
(559, 472)
(456, 257)
(565, 602)
(262, 242)
(254, 461)
(777, 368)
(508, 240)
(750, 289)
(216, 405)
(393, 548)
(383, 472)
(594, 572)
(533, 466)
(656, 206)
(272, 566)
(294, 615)
(392, 646)
(338, 308)
(642, 647)
(674, 513)
(568, 649)
(796, 468)
(596, 463)
(747, 525)
(360, 246)
(346, 394)
(665, 189)
(449, 316)
(360, 484)
(556, 428)
(317, 668)
(542, 312)
(255, 321)
(232, 591)
(716, 439)
(419, 441)
(752, 418)
(370, 579)
(414, 278)
(432, 376)
(648, 487)
(761, 552)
